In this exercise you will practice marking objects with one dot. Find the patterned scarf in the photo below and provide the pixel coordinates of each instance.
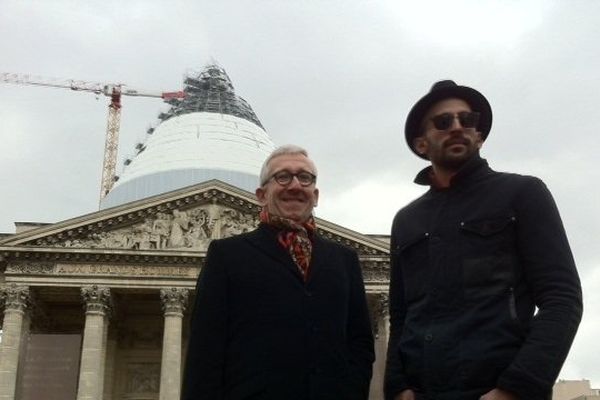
(294, 237)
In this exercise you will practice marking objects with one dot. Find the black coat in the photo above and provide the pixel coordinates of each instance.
(470, 264)
(259, 332)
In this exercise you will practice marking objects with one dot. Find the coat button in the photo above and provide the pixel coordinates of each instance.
(428, 337)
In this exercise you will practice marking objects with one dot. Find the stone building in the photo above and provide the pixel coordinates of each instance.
(574, 390)
(97, 307)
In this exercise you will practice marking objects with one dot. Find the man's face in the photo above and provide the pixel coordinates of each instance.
(293, 200)
(449, 148)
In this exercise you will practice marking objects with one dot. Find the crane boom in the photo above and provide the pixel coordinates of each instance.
(34, 80)
(112, 90)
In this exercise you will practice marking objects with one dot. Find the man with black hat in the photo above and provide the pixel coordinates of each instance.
(472, 259)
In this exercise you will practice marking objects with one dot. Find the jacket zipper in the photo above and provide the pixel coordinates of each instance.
(512, 307)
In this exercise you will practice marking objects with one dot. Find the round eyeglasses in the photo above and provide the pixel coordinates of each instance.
(284, 178)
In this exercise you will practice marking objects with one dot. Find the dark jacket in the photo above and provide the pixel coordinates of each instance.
(470, 264)
(259, 332)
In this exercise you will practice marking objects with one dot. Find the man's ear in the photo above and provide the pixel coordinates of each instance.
(316, 197)
(420, 145)
(260, 195)
(478, 140)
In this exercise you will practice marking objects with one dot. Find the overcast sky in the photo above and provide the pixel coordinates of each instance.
(337, 77)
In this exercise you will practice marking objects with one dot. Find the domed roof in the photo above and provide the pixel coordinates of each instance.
(210, 134)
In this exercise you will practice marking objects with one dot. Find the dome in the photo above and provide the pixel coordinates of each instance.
(210, 134)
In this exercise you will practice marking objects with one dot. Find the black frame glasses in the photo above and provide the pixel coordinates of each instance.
(286, 177)
(467, 119)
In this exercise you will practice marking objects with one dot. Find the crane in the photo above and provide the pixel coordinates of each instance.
(112, 90)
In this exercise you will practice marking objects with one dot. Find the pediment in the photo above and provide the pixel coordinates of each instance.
(185, 220)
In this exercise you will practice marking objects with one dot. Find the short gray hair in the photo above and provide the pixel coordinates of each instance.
(280, 151)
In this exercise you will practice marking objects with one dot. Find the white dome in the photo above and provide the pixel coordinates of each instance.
(191, 147)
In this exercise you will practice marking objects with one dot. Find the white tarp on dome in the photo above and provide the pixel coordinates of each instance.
(193, 148)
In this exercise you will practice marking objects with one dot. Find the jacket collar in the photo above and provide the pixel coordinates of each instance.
(473, 168)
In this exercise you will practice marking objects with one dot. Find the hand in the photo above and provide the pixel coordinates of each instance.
(405, 395)
(498, 394)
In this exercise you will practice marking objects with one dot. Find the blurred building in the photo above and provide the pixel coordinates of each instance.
(97, 306)
(574, 390)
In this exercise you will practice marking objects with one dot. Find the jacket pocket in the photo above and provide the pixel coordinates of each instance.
(488, 227)
(517, 326)
(411, 256)
(488, 255)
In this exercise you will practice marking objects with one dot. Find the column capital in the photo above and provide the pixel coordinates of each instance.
(174, 300)
(16, 304)
(97, 299)
(15, 297)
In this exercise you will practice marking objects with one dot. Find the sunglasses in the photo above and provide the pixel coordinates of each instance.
(467, 119)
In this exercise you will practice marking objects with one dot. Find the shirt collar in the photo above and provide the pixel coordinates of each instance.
(473, 165)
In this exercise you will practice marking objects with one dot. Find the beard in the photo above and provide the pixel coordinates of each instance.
(445, 158)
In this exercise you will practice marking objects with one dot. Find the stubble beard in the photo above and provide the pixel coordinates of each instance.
(453, 162)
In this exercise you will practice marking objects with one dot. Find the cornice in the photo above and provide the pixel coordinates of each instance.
(363, 245)
(45, 254)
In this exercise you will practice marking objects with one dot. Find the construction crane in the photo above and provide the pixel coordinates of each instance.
(114, 91)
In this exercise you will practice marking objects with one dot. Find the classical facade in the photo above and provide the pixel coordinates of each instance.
(97, 307)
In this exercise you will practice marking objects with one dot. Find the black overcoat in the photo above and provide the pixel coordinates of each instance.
(259, 332)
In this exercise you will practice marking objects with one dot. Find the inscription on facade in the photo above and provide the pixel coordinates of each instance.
(127, 270)
(93, 269)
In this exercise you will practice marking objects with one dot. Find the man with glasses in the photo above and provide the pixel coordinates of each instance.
(280, 312)
(472, 260)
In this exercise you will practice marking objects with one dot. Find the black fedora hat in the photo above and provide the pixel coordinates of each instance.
(444, 90)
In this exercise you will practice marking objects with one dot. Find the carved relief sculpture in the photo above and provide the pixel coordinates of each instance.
(192, 229)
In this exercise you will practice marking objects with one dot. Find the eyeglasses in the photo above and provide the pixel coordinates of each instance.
(467, 119)
(284, 178)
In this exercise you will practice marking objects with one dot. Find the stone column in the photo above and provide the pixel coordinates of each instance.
(173, 302)
(111, 351)
(16, 299)
(379, 317)
(91, 371)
